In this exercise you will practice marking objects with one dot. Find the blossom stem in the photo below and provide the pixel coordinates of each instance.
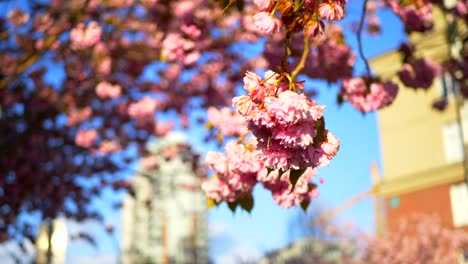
(304, 56)
(284, 62)
(359, 40)
(242, 137)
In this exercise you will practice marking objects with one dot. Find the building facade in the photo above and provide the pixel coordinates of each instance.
(165, 220)
(423, 150)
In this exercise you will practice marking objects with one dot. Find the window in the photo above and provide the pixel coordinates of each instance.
(459, 202)
(464, 117)
(453, 146)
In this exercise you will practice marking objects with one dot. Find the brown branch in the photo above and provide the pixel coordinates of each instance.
(359, 40)
(305, 54)
(287, 52)
(32, 58)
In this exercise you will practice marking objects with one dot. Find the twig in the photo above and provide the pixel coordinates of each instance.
(359, 33)
(304, 56)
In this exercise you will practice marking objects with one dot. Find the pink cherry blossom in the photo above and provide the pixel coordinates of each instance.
(368, 97)
(267, 23)
(106, 90)
(104, 66)
(415, 16)
(244, 105)
(283, 192)
(17, 17)
(143, 108)
(331, 11)
(331, 60)
(177, 48)
(218, 190)
(314, 28)
(236, 172)
(85, 37)
(373, 25)
(419, 73)
(162, 128)
(330, 146)
(191, 30)
(85, 138)
(78, 116)
(289, 108)
(108, 146)
(283, 123)
(228, 122)
(264, 5)
(184, 8)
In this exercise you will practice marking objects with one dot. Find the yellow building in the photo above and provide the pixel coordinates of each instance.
(421, 148)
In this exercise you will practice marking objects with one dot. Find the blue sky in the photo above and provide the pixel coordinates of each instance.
(266, 228)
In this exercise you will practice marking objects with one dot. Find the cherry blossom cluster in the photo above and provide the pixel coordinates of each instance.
(415, 15)
(105, 90)
(306, 17)
(418, 238)
(235, 174)
(367, 94)
(83, 37)
(145, 107)
(229, 122)
(17, 17)
(330, 59)
(177, 48)
(419, 73)
(106, 102)
(284, 193)
(289, 127)
(373, 21)
(86, 138)
(128, 63)
(240, 170)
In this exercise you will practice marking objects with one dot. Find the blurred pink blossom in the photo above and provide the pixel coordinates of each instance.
(17, 17)
(367, 97)
(108, 146)
(77, 116)
(143, 108)
(267, 23)
(264, 5)
(83, 37)
(162, 128)
(85, 138)
(228, 122)
(106, 90)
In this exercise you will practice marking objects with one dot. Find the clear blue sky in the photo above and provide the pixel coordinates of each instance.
(266, 228)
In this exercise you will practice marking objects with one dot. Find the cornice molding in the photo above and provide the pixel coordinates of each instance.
(450, 173)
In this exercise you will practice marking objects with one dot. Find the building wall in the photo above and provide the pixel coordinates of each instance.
(165, 222)
(432, 200)
(421, 148)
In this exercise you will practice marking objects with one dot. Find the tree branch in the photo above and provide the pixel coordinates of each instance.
(359, 33)
(304, 56)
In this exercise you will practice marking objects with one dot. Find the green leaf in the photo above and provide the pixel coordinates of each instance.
(281, 172)
(269, 170)
(339, 99)
(320, 128)
(233, 206)
(305, 205)
(294, 176)
(247, 202)
(210, 203)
